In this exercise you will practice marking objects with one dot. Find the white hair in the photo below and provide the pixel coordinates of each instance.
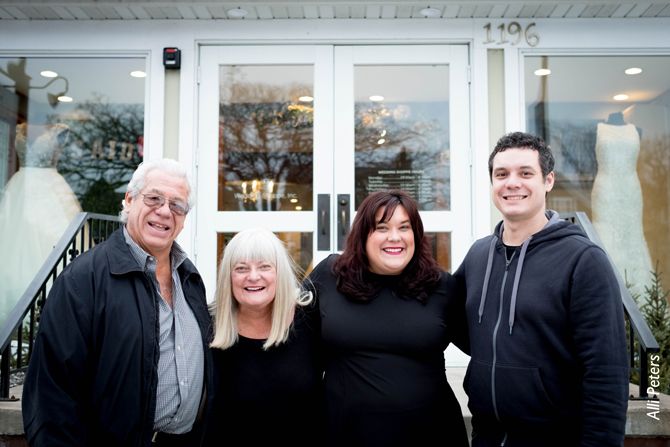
(138, 180)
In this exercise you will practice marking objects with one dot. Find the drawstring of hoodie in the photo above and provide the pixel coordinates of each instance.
(485, 289)
(515, 287)
(553, 218)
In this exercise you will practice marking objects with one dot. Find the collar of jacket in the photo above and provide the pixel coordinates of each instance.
(121, 261)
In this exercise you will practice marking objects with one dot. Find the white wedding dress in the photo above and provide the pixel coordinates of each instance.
(36, 208)
(616, 203)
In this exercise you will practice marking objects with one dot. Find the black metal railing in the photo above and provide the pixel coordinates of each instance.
(639, 329)
(17, 336)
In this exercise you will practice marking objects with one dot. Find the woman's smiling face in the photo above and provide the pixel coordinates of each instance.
(390, 246)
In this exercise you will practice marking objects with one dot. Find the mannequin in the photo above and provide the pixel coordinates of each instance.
(616, 119)
(35, 210)
(616, 200)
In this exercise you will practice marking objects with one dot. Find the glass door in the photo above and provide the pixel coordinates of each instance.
(402, 122)
(292, 138)
(265, 147)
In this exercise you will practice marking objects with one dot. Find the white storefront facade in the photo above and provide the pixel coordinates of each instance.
(288, 122)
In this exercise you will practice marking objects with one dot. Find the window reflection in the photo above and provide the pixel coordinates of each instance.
(266, 124)
(441, 246)
(609, 129)
(402, 132)
(71, 134)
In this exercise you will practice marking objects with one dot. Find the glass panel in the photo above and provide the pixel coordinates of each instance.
(266, 141)
(402, 132)
(71, 134)
(609, 128)
(441, 245)
(299, 246)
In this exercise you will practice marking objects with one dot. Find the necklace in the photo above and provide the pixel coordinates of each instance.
(509, 253)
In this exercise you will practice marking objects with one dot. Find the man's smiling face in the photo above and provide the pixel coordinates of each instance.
(155, 228)
(518, 188)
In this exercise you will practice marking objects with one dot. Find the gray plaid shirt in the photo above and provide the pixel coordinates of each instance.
(181, 362)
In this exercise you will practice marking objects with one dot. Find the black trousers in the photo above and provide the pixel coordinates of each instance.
(160, 439)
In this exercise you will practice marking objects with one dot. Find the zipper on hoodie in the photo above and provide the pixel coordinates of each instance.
(495, 337)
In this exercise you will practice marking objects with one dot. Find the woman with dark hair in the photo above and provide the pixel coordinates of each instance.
(387, 314)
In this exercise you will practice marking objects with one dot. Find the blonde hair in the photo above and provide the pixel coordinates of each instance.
(253, 245)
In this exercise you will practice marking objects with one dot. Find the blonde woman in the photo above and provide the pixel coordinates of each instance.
(265, 346)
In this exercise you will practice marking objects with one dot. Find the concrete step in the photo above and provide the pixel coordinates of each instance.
(647, 424)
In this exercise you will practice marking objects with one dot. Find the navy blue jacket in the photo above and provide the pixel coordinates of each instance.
(92, 376)
(547, 341)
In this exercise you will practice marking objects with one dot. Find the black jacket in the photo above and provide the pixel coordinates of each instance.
(547, 340)
(93, 374)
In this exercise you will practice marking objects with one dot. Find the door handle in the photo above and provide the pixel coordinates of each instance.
(343, 212)
(323, 224)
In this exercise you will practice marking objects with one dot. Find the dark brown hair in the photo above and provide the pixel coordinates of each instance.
(420, 276)
(522, 140)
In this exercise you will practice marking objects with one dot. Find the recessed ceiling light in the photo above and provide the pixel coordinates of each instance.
(294, 200)
(298, 208)
(620, 97)
(376, 98)
(633, 71)
(430, 12)
(138, 74)
(237, 13)
(305, 98)
(542, 72)
(48, 73)
(64, 98)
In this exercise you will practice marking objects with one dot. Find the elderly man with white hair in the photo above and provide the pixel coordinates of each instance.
(121, 357)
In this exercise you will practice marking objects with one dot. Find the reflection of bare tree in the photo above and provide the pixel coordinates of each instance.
(401, 138)
(107, 147)
(376, 122)
(265, 139)
(573, 145)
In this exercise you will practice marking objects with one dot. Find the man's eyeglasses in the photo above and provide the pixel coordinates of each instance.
(156, 201)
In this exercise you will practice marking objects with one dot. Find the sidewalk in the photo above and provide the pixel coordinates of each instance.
(11, 422)
(455, 376)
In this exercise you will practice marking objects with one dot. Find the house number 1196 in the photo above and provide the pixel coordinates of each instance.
(512, 33)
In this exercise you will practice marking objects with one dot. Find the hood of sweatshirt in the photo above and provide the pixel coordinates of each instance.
(555, 228)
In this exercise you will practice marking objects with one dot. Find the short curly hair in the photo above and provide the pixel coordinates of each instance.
(522, 140)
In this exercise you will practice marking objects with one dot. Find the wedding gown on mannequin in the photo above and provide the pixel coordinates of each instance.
(616, 201)
(36, 208)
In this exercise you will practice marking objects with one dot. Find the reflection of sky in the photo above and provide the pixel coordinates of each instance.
(264, 83)
(402, 83)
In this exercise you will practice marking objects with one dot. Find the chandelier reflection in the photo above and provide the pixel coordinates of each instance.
(256, 190)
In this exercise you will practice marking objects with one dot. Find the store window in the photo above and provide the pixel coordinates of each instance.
(71, 134)
(607, 120)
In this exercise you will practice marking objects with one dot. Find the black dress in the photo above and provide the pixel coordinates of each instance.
(384, 365)
(271, 397)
